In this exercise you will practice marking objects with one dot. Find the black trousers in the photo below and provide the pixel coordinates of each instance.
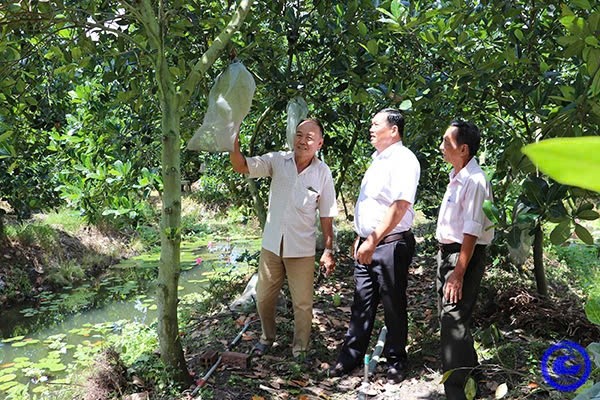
(458, 350)
(385, 280)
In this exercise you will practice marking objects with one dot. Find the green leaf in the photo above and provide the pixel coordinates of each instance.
(395, 8)
(519, 34)
(7, 377)
(595, 86)
(362, 28)
(571, 161)
(583, 234)
(592, 41)
(592, 309)
(593, 350)
(588, 215)
(446, 376)
(535, 189)
(373, 47)
(491, 211)
(405, 105)
(585, 4)
(339, 10)
(590, 393)
(8, 385)
(39, 389)
(592, 60)
(561, 233)
(470, 388)
(13, 339)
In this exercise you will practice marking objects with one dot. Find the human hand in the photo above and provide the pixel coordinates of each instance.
(236, 141)
(327, 262)
(364, 253)
(453, 288)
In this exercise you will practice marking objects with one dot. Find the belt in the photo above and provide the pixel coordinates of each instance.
(454, 247)
(392, 237)
(449, 247)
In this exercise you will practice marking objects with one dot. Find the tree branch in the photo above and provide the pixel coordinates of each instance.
(210, 56)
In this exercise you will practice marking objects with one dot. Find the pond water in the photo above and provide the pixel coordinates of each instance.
(39, 341)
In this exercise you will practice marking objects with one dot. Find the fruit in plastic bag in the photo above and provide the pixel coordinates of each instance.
(229, 101)
(297, 110)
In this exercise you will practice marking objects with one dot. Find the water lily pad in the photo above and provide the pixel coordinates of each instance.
(57, 368)
(13, 339)
(40, 389)
(7, 378)
(25, 342)
(9, 370)
(7, 385)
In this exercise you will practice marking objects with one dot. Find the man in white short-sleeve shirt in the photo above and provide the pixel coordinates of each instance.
(384, 248)
(463, 231)
(301, 185)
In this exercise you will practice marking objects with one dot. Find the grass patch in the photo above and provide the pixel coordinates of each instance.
(582, 263)
(68, 220)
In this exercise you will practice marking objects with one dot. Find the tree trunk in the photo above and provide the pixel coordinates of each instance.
(348, 158)
(172, 103)
(538, 261)
(259, 205)
(170, 237)
(2, 232)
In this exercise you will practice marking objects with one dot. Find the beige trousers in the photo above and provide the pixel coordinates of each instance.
(272, 270)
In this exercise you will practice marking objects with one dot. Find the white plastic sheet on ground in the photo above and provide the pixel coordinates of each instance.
(229, 102)
(297, 110)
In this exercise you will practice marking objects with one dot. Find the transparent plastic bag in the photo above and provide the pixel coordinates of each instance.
(229, 101)
(297, 110)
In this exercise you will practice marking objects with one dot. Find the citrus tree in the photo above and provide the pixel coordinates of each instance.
(159, 52)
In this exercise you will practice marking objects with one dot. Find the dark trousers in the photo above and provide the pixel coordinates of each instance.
(455, 318)
(385, 280)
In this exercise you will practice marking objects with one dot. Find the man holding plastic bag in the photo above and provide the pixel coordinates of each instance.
(301, 185)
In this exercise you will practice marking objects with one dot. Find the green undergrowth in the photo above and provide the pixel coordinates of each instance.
(511, 335)
(580, 263)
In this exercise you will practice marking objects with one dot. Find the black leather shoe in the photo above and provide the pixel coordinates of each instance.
(396, 375)
(338, 370)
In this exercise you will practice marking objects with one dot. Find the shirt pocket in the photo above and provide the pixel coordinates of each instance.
(306, 199)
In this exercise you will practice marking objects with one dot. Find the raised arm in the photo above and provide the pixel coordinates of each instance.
(238, 161)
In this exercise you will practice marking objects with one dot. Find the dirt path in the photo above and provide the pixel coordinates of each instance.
(526, 325)
(278, 376)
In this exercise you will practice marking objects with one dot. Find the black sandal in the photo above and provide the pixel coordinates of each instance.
(260, 349)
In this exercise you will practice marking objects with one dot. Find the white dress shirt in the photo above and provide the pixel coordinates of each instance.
(293, 202)
(393, 175)
(462, 207)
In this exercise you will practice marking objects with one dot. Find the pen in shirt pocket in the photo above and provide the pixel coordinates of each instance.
(312, 189)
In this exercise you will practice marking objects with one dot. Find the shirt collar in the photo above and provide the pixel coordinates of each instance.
(465, 171)
(388, 152)
(290, 156)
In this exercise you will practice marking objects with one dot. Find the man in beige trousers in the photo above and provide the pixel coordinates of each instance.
(301, 184)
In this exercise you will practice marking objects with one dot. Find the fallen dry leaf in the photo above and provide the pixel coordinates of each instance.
(299, 383)
(501, 391)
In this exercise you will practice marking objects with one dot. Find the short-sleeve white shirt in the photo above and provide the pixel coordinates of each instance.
(293, 201)
(393, 175)
(462, 207)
